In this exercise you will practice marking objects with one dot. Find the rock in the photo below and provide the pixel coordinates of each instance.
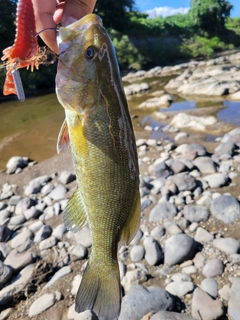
(199, 260)
(4, 250)
(35, 226)
(79, 251)
(140, 301)
(183, 120)
(161, 170)
(36, 185)
(47, 243)
(233, 304)
(66, 177)
(47, 189)
(59, 274)
(216, 180)
(179, 248)
(224, 293)
(180, 289)
(178, 166)
(137, 237)
(5, 233)
(32, 213)
(227, 245)
(156, 102)
(189, 270)
(23, 205)
(59, 231)
(18, 284)
(14, 163)
(153, 251)
(132, 278)
(137, 253)
(4, 315)
(196, 213)
(145, 203)
(86, 315)
(180, 277)
(43, 303)
(13, 201)
(163, 210)
(205, 165)
(172, 228)
(210, 286)
(209, 309)
(83, 237)
(226, 208)
(18, 261)
(43, 233)
(4, 216)
(235, 258)
(180, 135)
(157, 232)
(21, 238)
(184, 181)
(17, 220)
(3, 205)
(203, 236)
(225, 148)
(213, 268)
(5, 274)
(75, 284)
(58, 192)
(166, 315)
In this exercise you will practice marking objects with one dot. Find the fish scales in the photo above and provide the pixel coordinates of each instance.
(99, 130)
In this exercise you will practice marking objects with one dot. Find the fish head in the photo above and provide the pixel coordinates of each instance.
(87, 58)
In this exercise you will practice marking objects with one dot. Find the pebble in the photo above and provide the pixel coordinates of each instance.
(153, 251)
(32, 213)
(224, 292)
(23, 205)
(59, 274)
(137, 253)
(172, 228)
(196, 213)
(213, 268)
(4, 315)
(205, 165)
(179, 248)
(133, 278)
(5, 233)
(227, 245)
(16, 162)
(216, 180)
(180, 289)
(75, 284)
(43, 233)
(84, 237)
(79, 251)
(157, 232)
(58, 192)
(21, 238)
(203, 236)
(41, 304)
(36, 185)
(233, 304)
(59, 231)
(17, 220)
(163, 210)
(189, 270)
(226, 208)
(86, 315)
(166, 315)
(210, 286)
(209, 309)
(66, 177)
(18, 261)
(5, 274)
(47, 243)
(139, 301)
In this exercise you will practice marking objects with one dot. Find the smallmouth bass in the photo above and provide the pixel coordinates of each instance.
(99, 130)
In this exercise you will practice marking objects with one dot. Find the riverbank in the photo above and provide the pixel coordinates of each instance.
(189, 195)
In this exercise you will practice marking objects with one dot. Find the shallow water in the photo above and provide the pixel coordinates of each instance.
(31, 128)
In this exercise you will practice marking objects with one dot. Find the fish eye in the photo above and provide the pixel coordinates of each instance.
(90, 53)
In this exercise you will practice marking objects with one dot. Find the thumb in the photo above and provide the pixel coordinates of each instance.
(76, 9)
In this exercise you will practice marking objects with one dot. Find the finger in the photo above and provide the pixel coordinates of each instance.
(44, 11)
(76, 9)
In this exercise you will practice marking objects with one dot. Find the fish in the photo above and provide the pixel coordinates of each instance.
(99, 130)
(24, 51)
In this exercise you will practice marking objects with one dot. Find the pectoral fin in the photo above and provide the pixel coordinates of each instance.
(132, 224)
(63, 137)
(75, 216)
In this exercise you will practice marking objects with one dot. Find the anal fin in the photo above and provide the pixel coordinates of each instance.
(132, 224)
(75, 216)
(63, 137)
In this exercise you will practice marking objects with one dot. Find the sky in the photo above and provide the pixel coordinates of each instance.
(169, 7)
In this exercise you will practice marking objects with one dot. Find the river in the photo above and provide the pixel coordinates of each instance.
(31, 128)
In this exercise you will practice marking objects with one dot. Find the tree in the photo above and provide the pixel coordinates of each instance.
(114, 13)
(7, 23)
(209, 15)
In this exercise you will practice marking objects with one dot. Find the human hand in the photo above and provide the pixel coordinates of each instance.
(48, 15)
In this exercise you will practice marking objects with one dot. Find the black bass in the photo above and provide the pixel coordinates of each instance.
(99, 129)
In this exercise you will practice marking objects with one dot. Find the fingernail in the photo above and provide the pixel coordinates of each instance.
(67, 21)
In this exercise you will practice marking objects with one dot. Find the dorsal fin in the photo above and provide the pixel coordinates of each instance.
(63, 137)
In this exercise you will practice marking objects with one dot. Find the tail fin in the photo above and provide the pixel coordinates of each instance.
(100, 291)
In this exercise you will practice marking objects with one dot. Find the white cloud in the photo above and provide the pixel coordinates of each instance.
(166, 11)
